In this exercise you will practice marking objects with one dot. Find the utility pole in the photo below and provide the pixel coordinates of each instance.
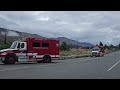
(5, 38)
(0, 41)
(77, 44)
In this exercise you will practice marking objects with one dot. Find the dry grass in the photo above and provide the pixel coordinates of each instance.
(74, 52)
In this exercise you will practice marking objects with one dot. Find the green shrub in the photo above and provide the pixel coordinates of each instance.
(64, 47)
(4, 46)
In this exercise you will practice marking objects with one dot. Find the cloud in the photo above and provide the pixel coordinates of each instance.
(85, 26)
(43, 18)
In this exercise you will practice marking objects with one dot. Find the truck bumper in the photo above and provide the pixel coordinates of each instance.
(95, 54)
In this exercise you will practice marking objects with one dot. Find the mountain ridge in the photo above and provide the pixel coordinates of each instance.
(13, 35)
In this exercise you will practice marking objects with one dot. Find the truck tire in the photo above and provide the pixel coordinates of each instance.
(10, 59)
(46, 59)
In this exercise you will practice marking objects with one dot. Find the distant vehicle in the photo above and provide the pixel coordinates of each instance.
(31, 49)
(96, 52)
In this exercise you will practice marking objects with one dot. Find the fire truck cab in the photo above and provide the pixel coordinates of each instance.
(31, 49)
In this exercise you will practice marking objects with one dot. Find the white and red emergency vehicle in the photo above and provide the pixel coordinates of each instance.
(31, 49)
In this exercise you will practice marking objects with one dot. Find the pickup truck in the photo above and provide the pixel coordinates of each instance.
(96, 52)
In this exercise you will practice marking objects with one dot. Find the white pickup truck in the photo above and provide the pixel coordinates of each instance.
(96, 52)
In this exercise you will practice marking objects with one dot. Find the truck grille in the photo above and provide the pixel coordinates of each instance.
(94, 53)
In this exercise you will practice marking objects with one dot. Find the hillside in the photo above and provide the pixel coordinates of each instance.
(13, 35)
(73, 42)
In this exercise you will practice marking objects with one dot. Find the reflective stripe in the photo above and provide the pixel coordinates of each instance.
(35, 55)
(52, 55)
(20, 54)
(41, 56)
(26, 53)
(32, 53)
(38, 56)
(23, 59)
(57, 55)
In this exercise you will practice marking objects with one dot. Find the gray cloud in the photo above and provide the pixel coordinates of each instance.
(85, 26)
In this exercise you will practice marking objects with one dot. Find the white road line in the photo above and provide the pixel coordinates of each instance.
(44, 65)
(113, 66)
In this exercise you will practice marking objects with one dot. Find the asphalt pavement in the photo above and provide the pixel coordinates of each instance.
(107, 67)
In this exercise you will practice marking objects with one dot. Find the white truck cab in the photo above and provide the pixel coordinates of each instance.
(19, 45)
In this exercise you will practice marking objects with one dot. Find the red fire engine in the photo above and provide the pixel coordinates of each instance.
(31, 49)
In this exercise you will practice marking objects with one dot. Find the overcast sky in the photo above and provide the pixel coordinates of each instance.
(85, 26)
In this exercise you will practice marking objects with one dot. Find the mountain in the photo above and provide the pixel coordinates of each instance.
(17, 33)
(74, 42)
(13, 35)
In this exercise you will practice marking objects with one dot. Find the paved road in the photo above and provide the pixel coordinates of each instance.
(107, 67)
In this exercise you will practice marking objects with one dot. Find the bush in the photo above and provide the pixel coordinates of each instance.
(64, 46)
(4, 46)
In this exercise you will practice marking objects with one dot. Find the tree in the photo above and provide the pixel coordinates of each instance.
(101, 44)
(91, 47)
(64, 46)
(106, 46)
(111, 46)
(5, 46)
(0, 41)
(5, 38)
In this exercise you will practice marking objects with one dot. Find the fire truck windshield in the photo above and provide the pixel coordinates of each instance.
(13, 45)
